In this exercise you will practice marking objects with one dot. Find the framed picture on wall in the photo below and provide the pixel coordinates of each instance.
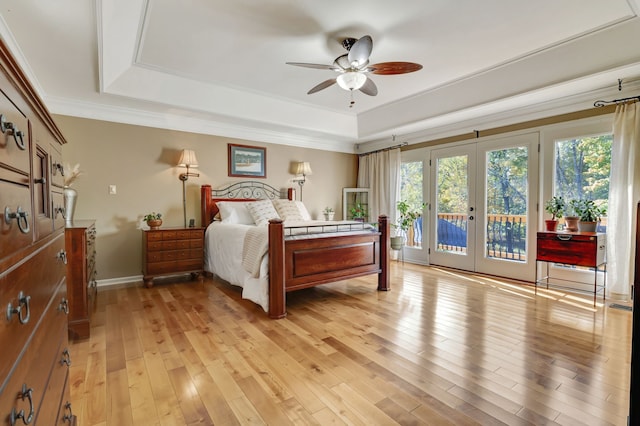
(247, 161)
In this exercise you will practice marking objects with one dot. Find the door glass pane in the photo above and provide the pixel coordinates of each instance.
(582, 170)
(411, 192)
(507, 196)
(452, 204)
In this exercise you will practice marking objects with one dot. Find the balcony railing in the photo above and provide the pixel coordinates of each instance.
(506, 235)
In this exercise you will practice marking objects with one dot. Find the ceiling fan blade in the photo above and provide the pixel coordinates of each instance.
(342, 61)
(369, 88)
(391, 68)
(360, 51)
(321, 86)
(316, 66)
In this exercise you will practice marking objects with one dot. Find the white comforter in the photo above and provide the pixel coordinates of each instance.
(226, 257)
(223, 257)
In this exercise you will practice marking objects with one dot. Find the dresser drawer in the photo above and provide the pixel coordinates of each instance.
(37, 279)
(15, 198)
(57, 170)
(56, 385)
(14, 151)
(32, 370)
(57, 209)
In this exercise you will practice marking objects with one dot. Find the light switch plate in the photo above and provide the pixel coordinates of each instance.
(112, 190)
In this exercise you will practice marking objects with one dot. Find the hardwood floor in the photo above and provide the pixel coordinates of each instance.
(440, 348)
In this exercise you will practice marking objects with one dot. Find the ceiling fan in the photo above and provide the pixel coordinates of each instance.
(353, 67)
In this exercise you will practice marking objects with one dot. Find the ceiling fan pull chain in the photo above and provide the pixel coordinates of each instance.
(352, 101)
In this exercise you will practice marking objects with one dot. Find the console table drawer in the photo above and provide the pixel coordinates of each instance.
(573, 248)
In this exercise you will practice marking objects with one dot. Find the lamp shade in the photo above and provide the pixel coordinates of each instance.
(351, 80)
(188, 159)
(304, 168)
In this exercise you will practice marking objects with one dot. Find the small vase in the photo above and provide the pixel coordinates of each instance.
(328, 216)
(571, 223)
(154, 224)
(70, 196)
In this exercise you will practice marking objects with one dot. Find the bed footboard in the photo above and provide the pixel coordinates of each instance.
(297, 264)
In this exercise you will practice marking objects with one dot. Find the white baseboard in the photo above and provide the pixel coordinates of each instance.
(136, 279)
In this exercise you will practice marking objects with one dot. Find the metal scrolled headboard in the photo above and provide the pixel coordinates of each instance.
(249, 189)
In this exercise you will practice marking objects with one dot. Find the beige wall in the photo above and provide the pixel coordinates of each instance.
(140, 161)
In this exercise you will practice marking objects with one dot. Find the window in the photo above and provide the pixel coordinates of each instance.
(582, 168)
(411, 192)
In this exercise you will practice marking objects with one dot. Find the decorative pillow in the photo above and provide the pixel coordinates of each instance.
(288, 210)
(235, 212)
(291, 210)
(262, 211)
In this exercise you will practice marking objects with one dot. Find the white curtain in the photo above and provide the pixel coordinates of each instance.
(624, 194)
(380, 172)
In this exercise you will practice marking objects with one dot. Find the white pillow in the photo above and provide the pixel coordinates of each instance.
(303, 211)
(291, 210)
(262, 211)
(235, 212)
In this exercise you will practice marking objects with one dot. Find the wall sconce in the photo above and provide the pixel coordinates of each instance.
(304, 169)
(187, 159)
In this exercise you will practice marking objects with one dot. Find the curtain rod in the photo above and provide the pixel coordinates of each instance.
(384, 149)
(616, 101)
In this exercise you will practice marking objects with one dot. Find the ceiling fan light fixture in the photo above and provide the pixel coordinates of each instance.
(351, 80)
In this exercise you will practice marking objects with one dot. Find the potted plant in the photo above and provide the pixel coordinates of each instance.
(589, 213)
(555, 207)
(405, 220)
(571, 218)
(358, 212)
(328, 213)
(154, 220)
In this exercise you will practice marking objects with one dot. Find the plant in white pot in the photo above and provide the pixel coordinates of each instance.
(589, 213)
(328, 213)
(555, 207)
(405, 220)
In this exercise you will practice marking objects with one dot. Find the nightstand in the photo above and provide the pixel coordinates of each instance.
(171, 251)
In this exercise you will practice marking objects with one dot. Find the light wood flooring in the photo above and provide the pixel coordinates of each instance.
(440, 348)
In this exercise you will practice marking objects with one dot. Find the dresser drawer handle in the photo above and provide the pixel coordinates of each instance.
(55, 167)
(64, 306)
(17, 134)
(23, 309)
(564, 237)
(25, 393)
(68, 416)
(20, 217)
(66, 358)
(59, 210)
(62, 255)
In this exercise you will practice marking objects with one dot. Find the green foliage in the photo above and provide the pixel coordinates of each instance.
(152, 216)
(588, 210)
(507, 174)
(452, 185)
(555, 207)
(408, 215)
(358, 211)
(411, 182)
(327, 210)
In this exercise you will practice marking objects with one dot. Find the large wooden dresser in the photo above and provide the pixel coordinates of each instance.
(34, 360)
(80, 236)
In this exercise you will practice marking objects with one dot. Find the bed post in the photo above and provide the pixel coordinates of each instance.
(205, 199)
(276, 270)
(383, 275)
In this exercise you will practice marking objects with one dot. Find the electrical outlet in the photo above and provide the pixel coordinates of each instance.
(112, 190)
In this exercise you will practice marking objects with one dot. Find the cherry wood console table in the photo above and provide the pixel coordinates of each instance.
(573, 248)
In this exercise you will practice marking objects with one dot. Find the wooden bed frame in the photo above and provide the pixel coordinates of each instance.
(300, 263)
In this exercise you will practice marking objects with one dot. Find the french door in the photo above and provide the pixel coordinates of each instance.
(483, 206)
